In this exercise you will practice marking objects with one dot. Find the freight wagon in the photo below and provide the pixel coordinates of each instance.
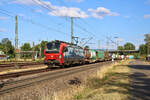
(93, 55)
(97, 55)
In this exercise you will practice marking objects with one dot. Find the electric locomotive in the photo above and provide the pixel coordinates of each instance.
(62, 54)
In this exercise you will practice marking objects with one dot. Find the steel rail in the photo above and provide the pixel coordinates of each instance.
(10, 86)
(18, 64)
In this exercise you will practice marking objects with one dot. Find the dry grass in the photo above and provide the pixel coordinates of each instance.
(109, 83)
(22, 70)
(114, 84)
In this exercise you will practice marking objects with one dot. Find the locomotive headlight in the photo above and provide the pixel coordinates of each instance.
(60, 56)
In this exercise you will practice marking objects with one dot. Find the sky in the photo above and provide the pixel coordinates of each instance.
(107, 21)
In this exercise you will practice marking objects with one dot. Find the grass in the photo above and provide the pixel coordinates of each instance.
(8, 71)
(109, 83)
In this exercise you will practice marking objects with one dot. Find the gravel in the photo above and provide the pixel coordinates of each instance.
(48, 88)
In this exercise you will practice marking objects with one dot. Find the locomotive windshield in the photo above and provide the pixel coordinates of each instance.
(52, 48)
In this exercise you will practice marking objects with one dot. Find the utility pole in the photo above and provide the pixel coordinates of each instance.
(16, 39)
(72, 37)
(107, 44)
(98, 44)
(33, 52)
(40, 49)
(72, 30)
(117, 44)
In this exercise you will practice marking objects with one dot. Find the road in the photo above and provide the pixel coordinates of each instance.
(140, 80)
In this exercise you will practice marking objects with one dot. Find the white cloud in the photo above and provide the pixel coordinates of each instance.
(54, 10)
(31, 2)
(147, 16)
(3, 18)
(25, 2)
(100, 12)
(71, 12)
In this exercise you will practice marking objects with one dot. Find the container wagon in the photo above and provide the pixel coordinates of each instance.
(92, 55)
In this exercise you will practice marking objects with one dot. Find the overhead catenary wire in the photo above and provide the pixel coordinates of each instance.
(84, 29)
(45, 6)
(49, 8)
(33, 10)
(108, 38)
(5, 12)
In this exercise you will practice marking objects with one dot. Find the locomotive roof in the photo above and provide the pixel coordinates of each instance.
(58, 41)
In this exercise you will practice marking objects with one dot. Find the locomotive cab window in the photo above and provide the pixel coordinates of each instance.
(52, 47)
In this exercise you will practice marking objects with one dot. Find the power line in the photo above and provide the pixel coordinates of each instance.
(42, 4)
(47, 7)
(83, 29)
(33, 11)
(79, 18)
(86, 23)
(4, 12)
(101, 35)
(50, 8)
(31, 21)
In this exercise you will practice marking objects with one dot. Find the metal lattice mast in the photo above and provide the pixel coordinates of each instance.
(98, 44)
(72, 30)
(16, 39)
(16, 33)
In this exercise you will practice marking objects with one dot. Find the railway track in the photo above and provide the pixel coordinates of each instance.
(9, 86)
(19, 64)
(18, 74)
(8, 66)
(23, 73)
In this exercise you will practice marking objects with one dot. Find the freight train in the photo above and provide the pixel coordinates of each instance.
(60, 53)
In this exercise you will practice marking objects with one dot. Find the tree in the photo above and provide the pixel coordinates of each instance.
(1, 47)
(86, 47)
(147, 40)
(40, 46)
(129, 46)
(26, 47)
(36, 47)
(120, 48)
(7, 47)
(43, 44)
(143, 49)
